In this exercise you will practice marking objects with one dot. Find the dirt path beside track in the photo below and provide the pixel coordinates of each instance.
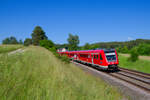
(21, 50)
(17, 51)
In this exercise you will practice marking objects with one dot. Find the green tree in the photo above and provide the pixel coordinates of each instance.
(58, 46)
(13, 40)
(125, 49)
(20, 41)
(6, 41)
(47, 44)
(37, 35)
(27, 42)
(10, 40)
(144, 49)
(94, 46)
(133, 55)
(119, 49)
(86, 46)
(73, 41)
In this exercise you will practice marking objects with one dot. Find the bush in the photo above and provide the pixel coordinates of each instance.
(61, 57)
(65, 59)
(52, 49)
(122, 49)
(27, 42)
(133, 55)
(10, 40)
(144, 49)
(48, 44)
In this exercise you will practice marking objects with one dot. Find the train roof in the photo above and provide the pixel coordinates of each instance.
(97, 50)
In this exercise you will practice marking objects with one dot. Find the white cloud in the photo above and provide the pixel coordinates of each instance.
(130, 38)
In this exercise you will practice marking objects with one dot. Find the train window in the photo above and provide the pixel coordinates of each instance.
(72, 55)
(101, 57)
(84, 55)
(95, 56)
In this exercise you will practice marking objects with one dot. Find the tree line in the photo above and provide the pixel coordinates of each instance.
(38, 37)
(11, 40)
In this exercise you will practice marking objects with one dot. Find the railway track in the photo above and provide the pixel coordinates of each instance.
(139, 79)
(133, 79)
(136, 78)
(138, 73)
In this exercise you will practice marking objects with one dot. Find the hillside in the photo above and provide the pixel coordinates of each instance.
(36, 74)
(129, 44)
(115, 44)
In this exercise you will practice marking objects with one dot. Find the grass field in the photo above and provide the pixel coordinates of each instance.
(8, 48)
(37, 75)
(139, 65)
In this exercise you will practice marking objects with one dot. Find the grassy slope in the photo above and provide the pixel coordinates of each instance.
(8, 48)
(38, 75)
(140, 65)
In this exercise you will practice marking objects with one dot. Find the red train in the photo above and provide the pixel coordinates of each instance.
(103, 58)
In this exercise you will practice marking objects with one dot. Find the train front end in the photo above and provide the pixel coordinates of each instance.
(111, 59)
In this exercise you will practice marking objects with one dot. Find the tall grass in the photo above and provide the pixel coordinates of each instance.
(8, 48)
(139, 65)
(38, 75)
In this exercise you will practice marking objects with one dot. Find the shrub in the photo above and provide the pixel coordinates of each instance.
(46, 43)
(65, 59)
(125, 49)
(27, 42)
(122, 49)
(10, 40)
(52, 49)
(133, 55)
(144, 49)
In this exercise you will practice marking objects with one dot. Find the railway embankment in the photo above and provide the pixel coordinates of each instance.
(37, 74)
(134, 85)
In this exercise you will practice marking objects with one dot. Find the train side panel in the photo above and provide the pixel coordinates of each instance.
(104, 59)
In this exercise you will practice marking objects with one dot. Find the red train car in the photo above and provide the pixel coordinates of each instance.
(103, 58)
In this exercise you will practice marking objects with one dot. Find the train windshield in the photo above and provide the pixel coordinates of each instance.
(110, 57)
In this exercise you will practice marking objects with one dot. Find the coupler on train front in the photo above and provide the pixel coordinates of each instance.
(113, 67)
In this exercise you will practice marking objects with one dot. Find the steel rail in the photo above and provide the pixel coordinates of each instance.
(137, 73)
(139, 86)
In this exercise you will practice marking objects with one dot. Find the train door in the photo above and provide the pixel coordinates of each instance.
(101, 59)
(75, 56)
(96, 60)
(92, 56)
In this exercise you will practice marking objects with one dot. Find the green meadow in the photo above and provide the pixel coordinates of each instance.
(8, 48)
(36, 74)
(140, 65)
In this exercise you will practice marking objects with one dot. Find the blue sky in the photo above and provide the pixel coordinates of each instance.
(92, 20)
